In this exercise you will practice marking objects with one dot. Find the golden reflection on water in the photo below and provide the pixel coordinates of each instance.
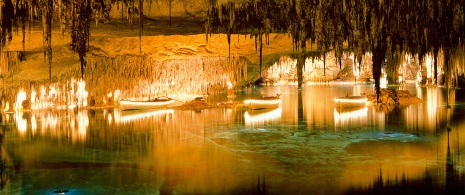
(215, 151)
(351, 116)
(397, 155)
(134, 115)
(186, 156)
(393, 159)
(261, 117)
(54, 124)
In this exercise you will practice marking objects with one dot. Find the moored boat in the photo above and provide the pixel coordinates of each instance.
(350, 101)
(263, 102)
(157, 103)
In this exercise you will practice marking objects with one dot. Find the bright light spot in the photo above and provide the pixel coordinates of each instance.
(33, 123)
(33, 99)
(127, 116)
(83, 123)
(352, 116)
(351, 101)
(81, 94)
(52, 93)
(19, 100)
(262, 103)
(109, 96)
(344, 116)
(259, 117)
(383, 82)
(21, 122)
(117, 95)
(7, 106)
(229, 84)
(429, 61)
(110, 118)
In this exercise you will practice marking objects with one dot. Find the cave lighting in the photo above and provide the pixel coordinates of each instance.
(81, 93)
(54, 97)
(20, 97)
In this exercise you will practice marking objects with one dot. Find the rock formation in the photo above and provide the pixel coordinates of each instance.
(391, 98)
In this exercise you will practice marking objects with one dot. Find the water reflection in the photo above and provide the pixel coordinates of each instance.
(355, 117)
(441, 175)
(260, 117)
(134, 115)
(308, 146)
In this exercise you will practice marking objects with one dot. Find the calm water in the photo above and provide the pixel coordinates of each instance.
(304, 147)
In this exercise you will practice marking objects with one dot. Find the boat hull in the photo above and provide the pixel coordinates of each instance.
(139, 105)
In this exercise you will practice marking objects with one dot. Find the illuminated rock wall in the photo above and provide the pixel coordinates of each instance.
(141, 77)
(284, 70)
(9, 62)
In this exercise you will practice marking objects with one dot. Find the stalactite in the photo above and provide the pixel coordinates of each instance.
(188, 74)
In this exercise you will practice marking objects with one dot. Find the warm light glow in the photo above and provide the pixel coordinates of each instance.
(229, 84)
(117, 95)
(345, 100)
(351, 101)
(7, 106)
(49, 120)
(110, 118)
(258, 103)
(265, 102)
(383, 82)
(128, 116)
(342, 114)
(129, 105)
(56, 124)
(257, 117)
(21, 123)
(343, 117)
(33, 123)
(33, 99)
(81, 94)
(19, 100)
(55, 96)
(43, 99)
(83, 123)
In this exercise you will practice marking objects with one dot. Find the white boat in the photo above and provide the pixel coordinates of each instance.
(350, 101)
(157, 103)
(263, 102)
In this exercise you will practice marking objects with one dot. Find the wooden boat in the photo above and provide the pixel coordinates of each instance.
(263, 102)
(350, 101)
(157, 103)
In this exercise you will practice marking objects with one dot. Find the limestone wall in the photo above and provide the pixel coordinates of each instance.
(9, 61)
(284, 70)
(143, 77)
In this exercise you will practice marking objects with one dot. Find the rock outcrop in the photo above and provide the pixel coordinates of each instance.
(391, 98)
